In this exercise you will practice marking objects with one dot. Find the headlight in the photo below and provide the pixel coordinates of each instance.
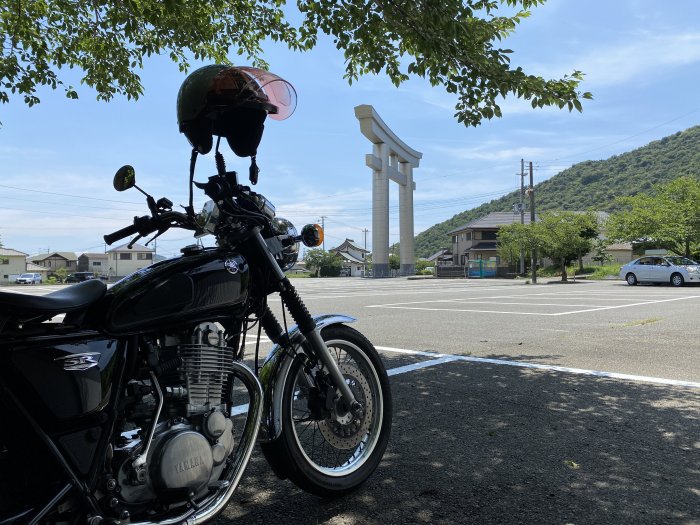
(290, 253)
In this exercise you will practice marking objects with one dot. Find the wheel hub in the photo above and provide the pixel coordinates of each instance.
(347, 430)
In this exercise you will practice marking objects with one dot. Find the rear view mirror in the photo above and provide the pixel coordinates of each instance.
(125, 178)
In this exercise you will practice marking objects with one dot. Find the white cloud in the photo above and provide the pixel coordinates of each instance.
(493, 152)
(641, 55)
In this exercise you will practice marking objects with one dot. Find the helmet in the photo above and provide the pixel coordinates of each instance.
(231, 102)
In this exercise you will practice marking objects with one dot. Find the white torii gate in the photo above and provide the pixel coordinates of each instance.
(391, 159)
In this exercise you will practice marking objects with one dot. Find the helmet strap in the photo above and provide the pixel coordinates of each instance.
(253, 171)
(193, 162)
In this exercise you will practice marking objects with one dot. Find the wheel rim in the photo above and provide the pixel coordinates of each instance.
(676, 280)
(631, 279)
(332, 448)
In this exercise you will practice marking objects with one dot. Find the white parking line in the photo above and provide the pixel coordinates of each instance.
(439, 359)
(587, 308)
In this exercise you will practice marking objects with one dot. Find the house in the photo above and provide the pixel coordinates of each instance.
(97, 263)
(353, 258)
(12, 264)
(441, 258)
(620, 253)
(476, 240)
(54, 261)
(123, 261)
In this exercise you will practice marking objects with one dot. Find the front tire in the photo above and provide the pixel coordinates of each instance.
(333, 456)
(677, 280)
(631, 279)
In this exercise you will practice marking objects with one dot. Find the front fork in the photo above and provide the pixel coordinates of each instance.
(307, 327)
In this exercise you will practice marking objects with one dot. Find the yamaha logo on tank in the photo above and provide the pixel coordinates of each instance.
(231, 266)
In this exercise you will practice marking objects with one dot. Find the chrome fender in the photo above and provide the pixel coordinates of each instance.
(274, 371)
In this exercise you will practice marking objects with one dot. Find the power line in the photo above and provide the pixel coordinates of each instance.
(67, 195)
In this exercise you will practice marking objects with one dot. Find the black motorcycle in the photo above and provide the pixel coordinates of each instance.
(138, 407)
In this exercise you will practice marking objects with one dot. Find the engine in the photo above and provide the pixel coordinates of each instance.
(183, 454)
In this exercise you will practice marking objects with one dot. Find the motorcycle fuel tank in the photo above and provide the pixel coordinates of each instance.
(197, 286)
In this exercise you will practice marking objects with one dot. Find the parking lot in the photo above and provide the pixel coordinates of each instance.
(552, 403)
(513, 403)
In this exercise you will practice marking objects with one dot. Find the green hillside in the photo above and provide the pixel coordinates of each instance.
(590, 184)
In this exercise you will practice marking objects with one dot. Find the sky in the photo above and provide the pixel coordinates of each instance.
(641, 59)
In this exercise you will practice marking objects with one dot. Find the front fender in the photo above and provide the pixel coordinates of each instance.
(273, 374)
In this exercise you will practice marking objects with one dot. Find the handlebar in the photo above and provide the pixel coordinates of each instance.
(146, 225)
(120, 234)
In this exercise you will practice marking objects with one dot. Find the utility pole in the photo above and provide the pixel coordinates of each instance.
(532, 222)
(323, 227)
(522, 212)
(365, 232)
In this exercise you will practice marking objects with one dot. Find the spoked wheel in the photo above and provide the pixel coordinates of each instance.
(677, 279)
(330, 452)
(631, 279)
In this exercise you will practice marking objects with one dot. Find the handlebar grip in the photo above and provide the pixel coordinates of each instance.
(120, 234)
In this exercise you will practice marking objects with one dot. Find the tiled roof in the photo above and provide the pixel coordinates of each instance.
(68, 256)
(350, 258)
(492, 220)
(9, 252)
(135, 248)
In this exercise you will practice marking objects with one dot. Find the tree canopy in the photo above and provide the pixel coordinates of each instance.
(323, 263)
(451, 43)
(668, 217)
(561, 236)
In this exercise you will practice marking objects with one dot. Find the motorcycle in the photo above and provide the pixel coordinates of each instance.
(138, 407)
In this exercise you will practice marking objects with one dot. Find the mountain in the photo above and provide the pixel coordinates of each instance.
(589, 185)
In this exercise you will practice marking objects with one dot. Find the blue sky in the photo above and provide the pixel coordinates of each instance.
(641, 59)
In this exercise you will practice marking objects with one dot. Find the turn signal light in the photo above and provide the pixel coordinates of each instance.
(312, 235)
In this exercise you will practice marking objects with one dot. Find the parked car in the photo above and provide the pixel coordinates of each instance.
(675, 270)
(29, 278)
(79, 277)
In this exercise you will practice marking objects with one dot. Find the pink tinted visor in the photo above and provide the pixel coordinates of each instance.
(280, 93)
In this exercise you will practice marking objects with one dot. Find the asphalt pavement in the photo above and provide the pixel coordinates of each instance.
(557, 403)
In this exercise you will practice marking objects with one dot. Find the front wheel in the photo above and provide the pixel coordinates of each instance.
(332, 455)
(677, 279)
(631, 279)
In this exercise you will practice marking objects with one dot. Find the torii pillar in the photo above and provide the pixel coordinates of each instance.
(391, 159)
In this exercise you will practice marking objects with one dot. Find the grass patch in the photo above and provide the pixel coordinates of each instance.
(642, 322)
(591, 272)
(295, 275)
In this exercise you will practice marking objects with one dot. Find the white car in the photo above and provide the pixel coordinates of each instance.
(29, 278)
(671, 269)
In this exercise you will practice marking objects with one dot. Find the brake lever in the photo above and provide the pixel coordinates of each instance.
(133, 241)
(161, 231)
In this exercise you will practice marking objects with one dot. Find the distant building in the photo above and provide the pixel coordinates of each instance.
(97, 263)
(441, 258)
(12, 264)
(54, 261)
(353, 258)
(477, 239)
(123, 261)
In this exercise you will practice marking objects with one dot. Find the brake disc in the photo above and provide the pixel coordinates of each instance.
(347, 431)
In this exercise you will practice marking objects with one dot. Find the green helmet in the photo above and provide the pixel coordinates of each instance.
(231, 102)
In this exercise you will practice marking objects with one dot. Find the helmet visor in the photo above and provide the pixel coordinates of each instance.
(279, 92)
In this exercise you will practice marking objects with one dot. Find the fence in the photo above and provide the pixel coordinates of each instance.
(477, 269)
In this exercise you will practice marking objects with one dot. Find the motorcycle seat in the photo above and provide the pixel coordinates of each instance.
(62, 301)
